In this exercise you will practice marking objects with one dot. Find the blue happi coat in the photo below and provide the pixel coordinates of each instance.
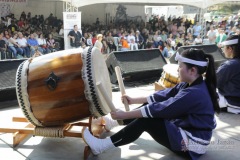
(188, 114)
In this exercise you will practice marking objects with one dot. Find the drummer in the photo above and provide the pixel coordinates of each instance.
(228, 76)
(176, 118)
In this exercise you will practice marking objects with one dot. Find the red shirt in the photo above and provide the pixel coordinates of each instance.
(94, 40)
(20, 23)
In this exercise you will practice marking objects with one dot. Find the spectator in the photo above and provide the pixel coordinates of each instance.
(43, 44)
(196, 29)
(23, 15)
(149, 45)
(61, 31)
(233, 31)
(179, 41)
(13, 27)
(163, 36)
(167, 52)
(124, 43)
(15, 48)
(145, 37)
(211, 34)
(33, 44)
(3, 47)
(89, 39)
(21, 22)
(174, 30)
(181, 29)
(23, 44)
(110, 42)
(157, 39)
(198, 40)
(93, 38)
(139, 40)
(171, 40)
(221, 38)
(190, 29)
(51, 43)
(131, 41)
(190, 40)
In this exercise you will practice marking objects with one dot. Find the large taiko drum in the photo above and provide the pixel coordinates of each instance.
(60, 87)
(169, 77)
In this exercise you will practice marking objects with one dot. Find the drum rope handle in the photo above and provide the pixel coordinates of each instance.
(121, 86)
(50, 131)
(105, 96)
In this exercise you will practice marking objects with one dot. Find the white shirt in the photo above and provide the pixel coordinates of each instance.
(22, 42)
(130, 37)
(198, 40)
(41, 41)
(61, 32)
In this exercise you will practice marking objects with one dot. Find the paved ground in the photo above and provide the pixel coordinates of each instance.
(225, 142)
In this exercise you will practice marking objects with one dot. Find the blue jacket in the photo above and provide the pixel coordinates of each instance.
(188, 113)
(32, 42)
(228, 79)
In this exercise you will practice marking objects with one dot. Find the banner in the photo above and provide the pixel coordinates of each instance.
(69, 20)
(14, 1)
(5, 9)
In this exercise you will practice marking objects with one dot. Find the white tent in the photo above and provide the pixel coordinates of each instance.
(197, 3)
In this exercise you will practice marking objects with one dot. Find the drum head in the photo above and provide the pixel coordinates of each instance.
(95, 70)
(171, 69)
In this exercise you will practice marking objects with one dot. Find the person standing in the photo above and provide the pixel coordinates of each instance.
(221, 38)
(196, 30)
(211, 34)
(75, 37)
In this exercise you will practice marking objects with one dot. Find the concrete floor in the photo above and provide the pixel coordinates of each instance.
(225, 141)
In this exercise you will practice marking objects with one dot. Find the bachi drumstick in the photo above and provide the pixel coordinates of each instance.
(121, 86)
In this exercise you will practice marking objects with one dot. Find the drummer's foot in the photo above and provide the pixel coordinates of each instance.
(110, 123)
(97, 145)
(98, 126)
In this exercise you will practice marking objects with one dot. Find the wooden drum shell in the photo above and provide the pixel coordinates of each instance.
(65, 104)
(169, 77)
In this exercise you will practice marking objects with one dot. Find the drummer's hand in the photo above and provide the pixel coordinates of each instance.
(130, 100)
(118, 114)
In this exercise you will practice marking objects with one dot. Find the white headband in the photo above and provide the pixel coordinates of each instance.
(187, 60)
(230, 42)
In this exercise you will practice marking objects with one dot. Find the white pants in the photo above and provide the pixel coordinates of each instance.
(222, 101)
(133, 46)
(230, 108)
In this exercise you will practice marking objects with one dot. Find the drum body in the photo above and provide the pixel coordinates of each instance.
(169, 77)
(59, 88)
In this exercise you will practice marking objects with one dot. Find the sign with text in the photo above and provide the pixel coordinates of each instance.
(71, 19)
(14, 1)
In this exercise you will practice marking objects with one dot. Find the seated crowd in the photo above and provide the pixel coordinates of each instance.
(167, 35)
(22, 38)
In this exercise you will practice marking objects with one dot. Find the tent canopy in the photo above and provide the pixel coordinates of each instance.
(197, 3)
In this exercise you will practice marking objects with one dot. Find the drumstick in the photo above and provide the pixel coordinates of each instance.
(122, 89)
(105, 96)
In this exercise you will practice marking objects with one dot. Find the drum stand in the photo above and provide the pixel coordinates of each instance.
(19, 134)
